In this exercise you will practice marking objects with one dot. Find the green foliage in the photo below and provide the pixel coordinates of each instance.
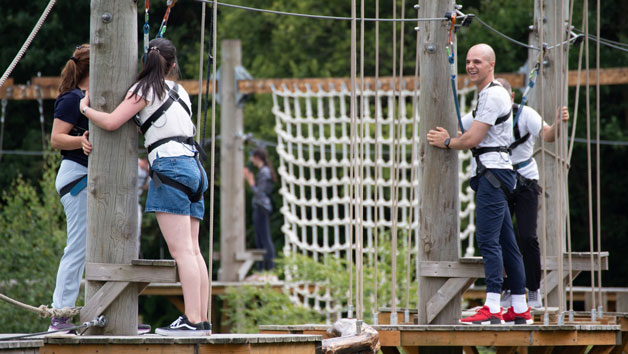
(248, 307)
(32, 233)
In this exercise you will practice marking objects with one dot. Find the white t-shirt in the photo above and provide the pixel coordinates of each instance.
(493, 102)
(529, 122)
(175, 121)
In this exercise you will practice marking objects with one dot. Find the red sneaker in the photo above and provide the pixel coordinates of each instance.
(484, 317)
(511, 317)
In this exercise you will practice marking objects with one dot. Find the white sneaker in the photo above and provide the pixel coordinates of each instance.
(534, 299)
(506, 299)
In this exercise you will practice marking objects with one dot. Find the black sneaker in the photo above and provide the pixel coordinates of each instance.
(143, 328)
(181, 327)
(207, 327)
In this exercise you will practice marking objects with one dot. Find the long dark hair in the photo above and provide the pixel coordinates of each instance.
(262, 155)
(75, 69)
(157, 66)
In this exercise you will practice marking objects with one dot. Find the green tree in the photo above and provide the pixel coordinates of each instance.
(32, 233)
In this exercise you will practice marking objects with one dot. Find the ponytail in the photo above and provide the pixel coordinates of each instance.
(158, 63)
(75, 69)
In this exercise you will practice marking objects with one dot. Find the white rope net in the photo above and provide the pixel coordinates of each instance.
(313, 131)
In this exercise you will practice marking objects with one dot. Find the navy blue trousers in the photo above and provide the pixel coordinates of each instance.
(261, 224)
(494, 233)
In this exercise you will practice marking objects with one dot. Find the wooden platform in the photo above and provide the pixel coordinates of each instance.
(574, 338)
(155, 344)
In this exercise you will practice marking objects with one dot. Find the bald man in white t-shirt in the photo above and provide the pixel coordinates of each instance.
(488, 135)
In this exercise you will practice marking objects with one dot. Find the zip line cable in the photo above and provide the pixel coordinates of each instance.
(322, 17)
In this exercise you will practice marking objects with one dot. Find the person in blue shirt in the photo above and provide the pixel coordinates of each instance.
(70, 135)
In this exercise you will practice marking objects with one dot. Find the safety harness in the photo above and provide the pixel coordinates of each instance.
(158, 178)
(477, 151)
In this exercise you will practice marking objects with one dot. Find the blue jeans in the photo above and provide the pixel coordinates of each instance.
(167, 199)
(494, 233)
(261, 223)
(72, 262)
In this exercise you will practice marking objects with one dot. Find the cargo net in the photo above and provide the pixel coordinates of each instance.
(314, 145)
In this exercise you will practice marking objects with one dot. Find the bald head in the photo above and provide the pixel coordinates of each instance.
(484, 50)
(480, 64)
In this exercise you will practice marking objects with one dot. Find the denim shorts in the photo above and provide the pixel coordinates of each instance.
(167, 199)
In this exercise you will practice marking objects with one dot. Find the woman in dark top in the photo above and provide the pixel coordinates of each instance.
(262, 187)
(70, 135)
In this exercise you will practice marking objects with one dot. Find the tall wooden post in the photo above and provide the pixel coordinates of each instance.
(545, 98)
(111, 198)
(438, 185)
(232, 231)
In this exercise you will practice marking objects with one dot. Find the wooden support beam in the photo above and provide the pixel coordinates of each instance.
(128, 272)
(452, 289)
(49, 85)
(601, 349)
(99, 302)
(112, 170)
(505, 350)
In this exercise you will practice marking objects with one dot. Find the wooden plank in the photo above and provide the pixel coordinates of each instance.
(278, 348)
(49, 85)
(571, 350)
(623, 347)
(540, 350)
(99, 302)
(128, 272)
(452, 288)
(442, 269)
(119, 349)
(390, 338)
(505, 350)
(466, 338)
(154, 262)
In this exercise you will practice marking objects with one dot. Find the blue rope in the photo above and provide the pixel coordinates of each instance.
(533, 74)
(452, 69)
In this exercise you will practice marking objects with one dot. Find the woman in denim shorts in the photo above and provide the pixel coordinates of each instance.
(175, 191)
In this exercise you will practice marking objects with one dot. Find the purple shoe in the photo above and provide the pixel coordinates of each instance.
(61, 325)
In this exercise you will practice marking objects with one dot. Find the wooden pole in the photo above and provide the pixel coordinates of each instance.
(545, 98)
(112, 197)
(232, 232)
(438, 184)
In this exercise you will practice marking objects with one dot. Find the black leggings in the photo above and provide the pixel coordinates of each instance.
(261, 223)
(523, 203)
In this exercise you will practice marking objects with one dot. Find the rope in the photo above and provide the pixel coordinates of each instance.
(412, 177)
(27, 43)
(376, 187)
(566, 170)
(200, 76)
(532, 79)
(43, 310)
(393, 158)
(543, 174)
(597, 162)
(585, 6)
(321, 17)
(352, 171)
(362, 155)
(213, 36)
(452, 69)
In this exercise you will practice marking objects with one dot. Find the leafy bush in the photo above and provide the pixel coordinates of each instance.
(248, 307)
(32, 234)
